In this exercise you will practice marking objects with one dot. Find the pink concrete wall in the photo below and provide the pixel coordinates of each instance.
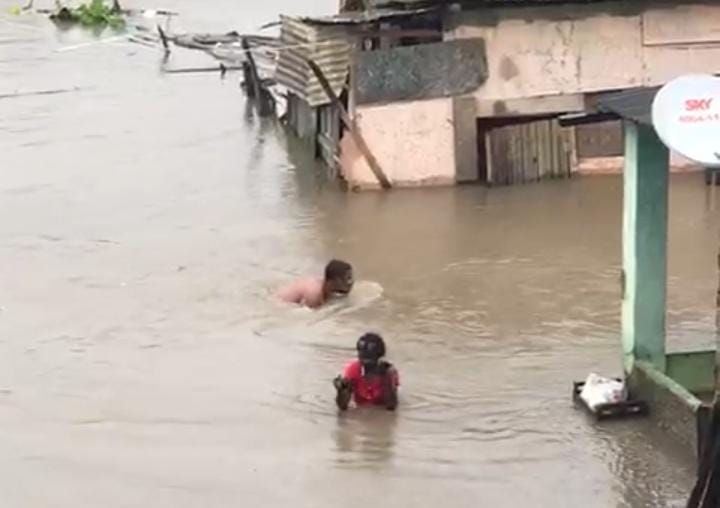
(531, 57)
(412, 141)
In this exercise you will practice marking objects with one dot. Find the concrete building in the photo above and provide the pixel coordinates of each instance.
(472, 91)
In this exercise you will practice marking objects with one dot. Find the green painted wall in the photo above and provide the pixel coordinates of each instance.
(692, 370)
(645, 209)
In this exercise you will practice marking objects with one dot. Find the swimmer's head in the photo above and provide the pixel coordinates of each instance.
(338, 277)
(370, 349)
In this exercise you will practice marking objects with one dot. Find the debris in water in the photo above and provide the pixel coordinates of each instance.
(222, 69)
(92, 14)
(39, 92)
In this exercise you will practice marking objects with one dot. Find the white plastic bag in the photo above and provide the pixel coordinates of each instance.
(601, 390)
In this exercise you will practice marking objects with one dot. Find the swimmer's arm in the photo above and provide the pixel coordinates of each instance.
(344, 392)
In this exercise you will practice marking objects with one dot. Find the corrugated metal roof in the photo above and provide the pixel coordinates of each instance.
(478, 3)
(632, 104)
(326, 45)
(367, 16)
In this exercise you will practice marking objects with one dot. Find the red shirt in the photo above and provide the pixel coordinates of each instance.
(367, 390)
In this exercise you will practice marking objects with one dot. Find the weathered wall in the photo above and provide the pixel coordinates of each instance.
(604, 139)
(412, 141)
(547, 51)
(423, 71)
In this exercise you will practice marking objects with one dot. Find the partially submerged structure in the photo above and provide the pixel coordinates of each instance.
(471, 91)
(678, 385)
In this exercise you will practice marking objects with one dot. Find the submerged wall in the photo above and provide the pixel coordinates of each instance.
(412, 141)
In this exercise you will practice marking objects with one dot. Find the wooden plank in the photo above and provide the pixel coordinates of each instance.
(531, 140)
(538, 168)
(554, 149)
(549, 144)
(564, 149)
(488, 157)
(546, 147)
(519, 154)
(497, 155)
(567, 150)
(508, 139)
(352, 127)
(392, 33)
(524, 168)
(571, 148)
(509, 168)
(516, 155)
(500, 156)
(264, 100)
(531, 147)
(530, 135)
(493, 167)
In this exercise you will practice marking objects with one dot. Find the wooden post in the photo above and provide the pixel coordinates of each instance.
(263, 100)
(251, 71)
(645, 210)
(351, 126)
(248, 81)
(163, 39)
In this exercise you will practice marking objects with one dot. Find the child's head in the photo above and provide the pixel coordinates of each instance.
(338, 277)
(370, 348)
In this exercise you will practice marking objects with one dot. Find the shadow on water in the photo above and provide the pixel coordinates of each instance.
(364, 438)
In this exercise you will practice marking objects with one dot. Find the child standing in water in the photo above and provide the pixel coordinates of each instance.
(369, 379)
(313, 293)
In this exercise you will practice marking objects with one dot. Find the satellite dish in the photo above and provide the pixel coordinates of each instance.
(686, 116)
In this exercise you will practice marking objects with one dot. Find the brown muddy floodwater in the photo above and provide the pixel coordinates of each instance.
(146, 220)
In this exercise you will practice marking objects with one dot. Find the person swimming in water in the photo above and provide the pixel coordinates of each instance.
(314, 292)
(369, 380)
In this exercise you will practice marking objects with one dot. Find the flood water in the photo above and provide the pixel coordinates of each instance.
(145, 221)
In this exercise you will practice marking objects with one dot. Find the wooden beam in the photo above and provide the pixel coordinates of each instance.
(399, 33)
(263, 99)
(352, 127)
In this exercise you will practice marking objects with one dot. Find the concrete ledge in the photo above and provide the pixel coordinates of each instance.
(439, 181)
(672, 407)
(614, 166)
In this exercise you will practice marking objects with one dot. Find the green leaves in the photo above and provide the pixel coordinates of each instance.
(94, 14)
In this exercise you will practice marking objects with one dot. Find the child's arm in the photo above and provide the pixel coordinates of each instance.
(389, 386)
(344, 392)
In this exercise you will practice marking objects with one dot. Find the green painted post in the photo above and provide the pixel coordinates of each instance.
(645, 211)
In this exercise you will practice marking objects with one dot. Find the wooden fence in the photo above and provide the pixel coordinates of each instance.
(528, 152)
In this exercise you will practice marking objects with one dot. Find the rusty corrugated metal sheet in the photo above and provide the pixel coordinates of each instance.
(328, 46)
(366, 16)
